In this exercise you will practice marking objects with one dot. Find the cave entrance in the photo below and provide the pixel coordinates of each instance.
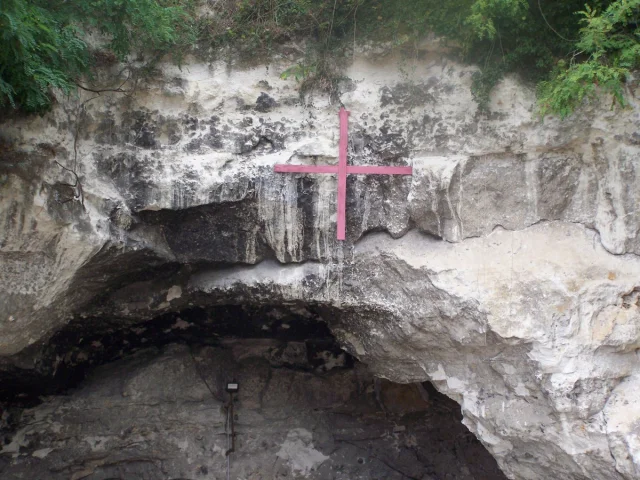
(154, 405)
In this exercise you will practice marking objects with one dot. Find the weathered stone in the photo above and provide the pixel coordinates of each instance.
(163, 414)
(509, 277)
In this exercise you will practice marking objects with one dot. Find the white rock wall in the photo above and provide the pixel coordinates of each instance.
(510, 277)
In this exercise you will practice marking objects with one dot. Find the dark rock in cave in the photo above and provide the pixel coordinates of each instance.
(148, 402)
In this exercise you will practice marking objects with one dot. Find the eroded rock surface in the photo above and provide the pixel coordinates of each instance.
(505, 270)
(163, 414)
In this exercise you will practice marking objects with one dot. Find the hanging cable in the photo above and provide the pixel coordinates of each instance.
(228, 442)
(231, 434)
(544, 17)
(229, 426)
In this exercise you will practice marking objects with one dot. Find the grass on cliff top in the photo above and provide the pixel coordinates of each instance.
(571, 49)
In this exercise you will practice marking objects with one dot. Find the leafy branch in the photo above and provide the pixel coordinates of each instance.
(43, 47)
(609, 40)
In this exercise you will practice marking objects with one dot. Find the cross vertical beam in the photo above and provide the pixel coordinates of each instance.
(342, 174)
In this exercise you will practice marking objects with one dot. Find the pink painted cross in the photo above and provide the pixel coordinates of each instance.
(342, 169)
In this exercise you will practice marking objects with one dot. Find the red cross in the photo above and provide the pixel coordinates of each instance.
(342, 169)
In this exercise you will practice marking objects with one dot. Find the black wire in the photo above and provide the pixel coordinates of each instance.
(204, 380)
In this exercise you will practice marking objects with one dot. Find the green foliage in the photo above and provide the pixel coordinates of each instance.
(251, 28)
(501, 36)
(254, 26)
(299, 71)
(609, 44)
(36, 54)
(614, 33)
(570, 87)
(484, 81)
(572, 49)
(43, 44)
(519, 39)
(485, 14)
(130, 24)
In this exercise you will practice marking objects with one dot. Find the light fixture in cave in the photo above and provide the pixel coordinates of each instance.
(232, 387)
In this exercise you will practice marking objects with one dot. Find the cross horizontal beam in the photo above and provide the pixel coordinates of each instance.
(376, 170)
(306, 168)
(351, 169)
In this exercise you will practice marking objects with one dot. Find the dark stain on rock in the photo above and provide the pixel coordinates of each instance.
(212, 233)
(140, 129)
(408, 95)
(265, 103)
(130, 172)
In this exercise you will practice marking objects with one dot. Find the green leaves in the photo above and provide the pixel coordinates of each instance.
(609, 43)
(36, 54)
(570, 87)
(299, 71)
(572, 50)
(42, 45)
(485, 12)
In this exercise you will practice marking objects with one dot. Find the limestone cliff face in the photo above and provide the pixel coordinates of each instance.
(506, 270)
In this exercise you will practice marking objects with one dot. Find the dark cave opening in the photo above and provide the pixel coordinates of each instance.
(110, 400)
(88, 342)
